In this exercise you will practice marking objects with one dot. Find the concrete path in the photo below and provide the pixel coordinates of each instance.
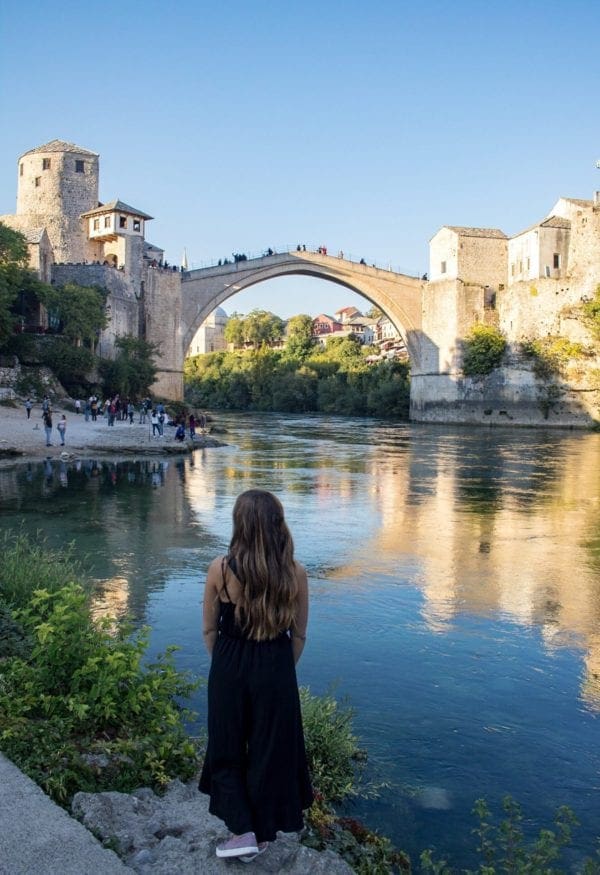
(39, 838)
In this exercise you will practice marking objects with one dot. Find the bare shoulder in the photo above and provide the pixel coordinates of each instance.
(301, 575)
(214, 573)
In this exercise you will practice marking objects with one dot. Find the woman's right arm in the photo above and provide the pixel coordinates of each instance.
(210, 611)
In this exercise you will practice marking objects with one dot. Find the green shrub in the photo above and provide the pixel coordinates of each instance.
(483, 349)
(591, 314)
(83, 712)
(551, 355)
(26, 566)
(502, 848)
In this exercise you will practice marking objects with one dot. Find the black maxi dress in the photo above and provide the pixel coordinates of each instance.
(255, 769)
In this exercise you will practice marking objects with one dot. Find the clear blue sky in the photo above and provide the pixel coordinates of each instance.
(364, 126)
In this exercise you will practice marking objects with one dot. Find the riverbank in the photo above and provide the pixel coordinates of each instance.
(22, 438)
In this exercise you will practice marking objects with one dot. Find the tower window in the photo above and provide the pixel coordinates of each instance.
(38, 181)
(136, 224)
(556, 261)
(45, 164)
(20, 170)
(96, 224)
(79, 167)
(107, 221)
(122, 221)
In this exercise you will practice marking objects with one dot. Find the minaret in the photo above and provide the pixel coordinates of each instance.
(56, 183)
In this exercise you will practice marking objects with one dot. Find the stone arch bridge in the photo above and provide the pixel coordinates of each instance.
(397, 295)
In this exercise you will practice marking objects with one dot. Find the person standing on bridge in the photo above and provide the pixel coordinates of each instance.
(254, 618)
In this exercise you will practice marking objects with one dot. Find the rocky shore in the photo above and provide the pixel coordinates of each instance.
(160, 835)
(25, 438)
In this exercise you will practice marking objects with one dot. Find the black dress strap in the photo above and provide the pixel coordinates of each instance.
(224, 565)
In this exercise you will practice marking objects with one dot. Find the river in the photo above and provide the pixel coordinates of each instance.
(455, 594)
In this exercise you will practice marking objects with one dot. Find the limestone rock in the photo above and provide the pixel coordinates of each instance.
(160, 835)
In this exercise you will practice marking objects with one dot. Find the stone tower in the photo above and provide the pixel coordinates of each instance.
(56, 183)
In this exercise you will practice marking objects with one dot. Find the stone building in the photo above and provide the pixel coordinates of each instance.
(73, 237)
(471, 255)
(210, 337)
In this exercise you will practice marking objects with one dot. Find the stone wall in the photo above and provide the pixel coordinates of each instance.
(54, 198)
(162, 326)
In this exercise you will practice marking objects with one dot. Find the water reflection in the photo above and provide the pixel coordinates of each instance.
(472, 556)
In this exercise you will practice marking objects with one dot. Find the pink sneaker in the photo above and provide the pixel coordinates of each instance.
(262, 847)
(239, 846)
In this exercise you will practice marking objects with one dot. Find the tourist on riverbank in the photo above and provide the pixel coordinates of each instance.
(62, 429)
(28, 406)
(130, 411)
(155, 423)
(47, 418)
(77, 406)
(254, 621)
(87, 409)
(192, 427)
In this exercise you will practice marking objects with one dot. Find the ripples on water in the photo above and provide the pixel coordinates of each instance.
(455, 593)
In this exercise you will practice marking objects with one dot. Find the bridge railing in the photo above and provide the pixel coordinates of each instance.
(289, 247)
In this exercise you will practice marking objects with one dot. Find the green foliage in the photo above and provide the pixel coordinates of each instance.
(551, 355)
(331, 746)
(300, 341)
(334, 759)
(71, 365)
(483, 348)
(591, 314)
(502, 848)
(83, 712)
(81, 310)
(133, 371)
(257, 328)
(13, 261)
(26, 565)
(336, 380)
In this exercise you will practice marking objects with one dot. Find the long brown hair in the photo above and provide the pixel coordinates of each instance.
(263, 550)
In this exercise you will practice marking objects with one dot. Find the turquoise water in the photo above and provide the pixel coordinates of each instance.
(455, 594)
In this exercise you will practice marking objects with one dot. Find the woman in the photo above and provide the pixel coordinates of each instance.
(255, 617)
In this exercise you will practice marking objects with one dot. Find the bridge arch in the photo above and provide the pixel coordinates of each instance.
(397, 295)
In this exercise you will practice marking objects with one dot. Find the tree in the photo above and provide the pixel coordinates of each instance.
(133, 371)
(300, 340)
(261, 327)
(234, 330)
(483, 348)
(374, 312)
(81, 310)
(13, 261)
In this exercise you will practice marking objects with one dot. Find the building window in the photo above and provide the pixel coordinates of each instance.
(96, 224)
(79, 167)
(512, 270)
(556, 261)
(20, 170)
(107, 221)
(443, 267)
(136, 225)
(528, 264)
(122, 221)
(547, 270)
(38, 181)
(45, 164)
(520, 267)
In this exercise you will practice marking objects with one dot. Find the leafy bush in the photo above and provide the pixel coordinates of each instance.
(79, 710)
(334, 759)
(26, 566)
(502, 847)
(337, 380)
(551, 355)
(483, 349)
(70, 364)
(591, 314)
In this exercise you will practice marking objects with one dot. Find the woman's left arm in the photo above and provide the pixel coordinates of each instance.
(301, 618)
